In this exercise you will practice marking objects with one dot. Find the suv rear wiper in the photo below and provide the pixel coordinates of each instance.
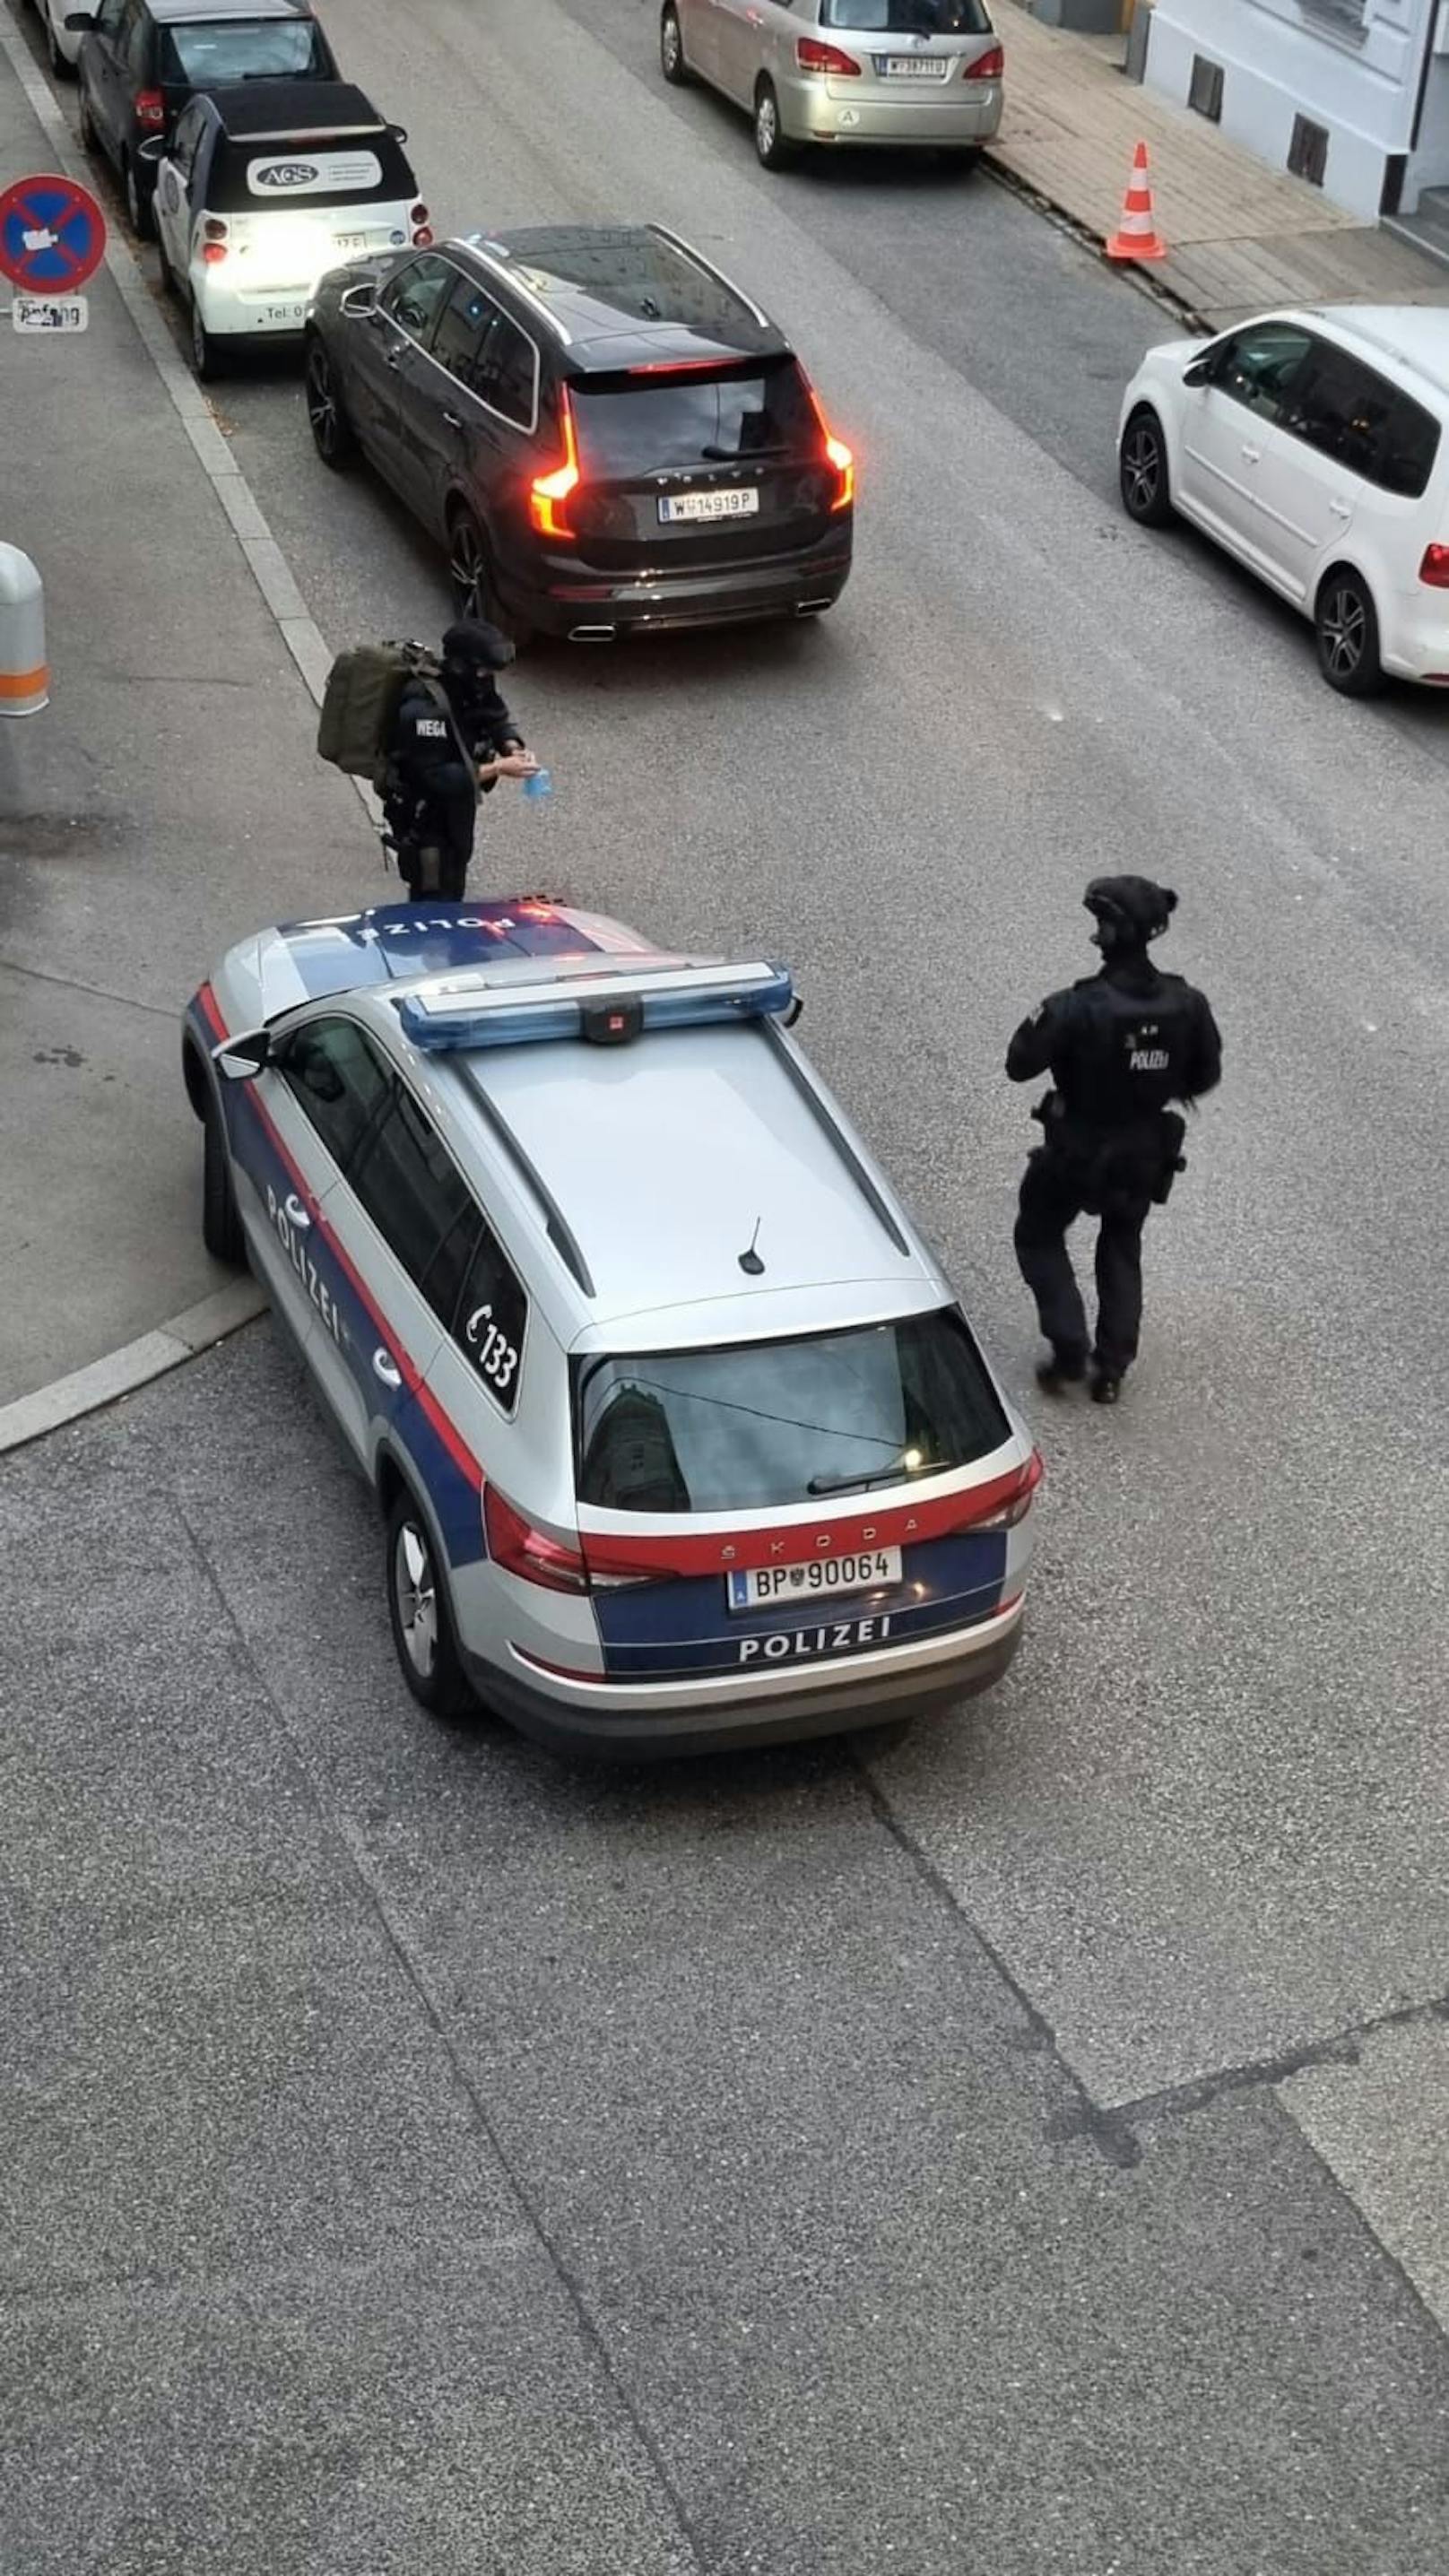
(899, 1472)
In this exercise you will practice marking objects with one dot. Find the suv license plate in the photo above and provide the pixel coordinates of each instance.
(768, 1587)
(741, 503)
(912, 66)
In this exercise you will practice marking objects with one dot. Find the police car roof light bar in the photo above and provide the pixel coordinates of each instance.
(460, 1012)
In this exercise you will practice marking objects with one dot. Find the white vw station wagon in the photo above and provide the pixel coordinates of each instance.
(680, 1436)
(1310, 445)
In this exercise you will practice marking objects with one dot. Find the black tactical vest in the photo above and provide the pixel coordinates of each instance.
(1129, 1050)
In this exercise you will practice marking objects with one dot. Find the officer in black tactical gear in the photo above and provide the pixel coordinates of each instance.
(454, 740)
(1119, 1047)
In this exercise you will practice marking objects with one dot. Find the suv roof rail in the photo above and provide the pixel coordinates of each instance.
(560, 1233)
(698, 260)
(830, 1125)
(476, 243)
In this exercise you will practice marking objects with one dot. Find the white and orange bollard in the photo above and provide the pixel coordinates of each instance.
(1138, 236)
(24, 671)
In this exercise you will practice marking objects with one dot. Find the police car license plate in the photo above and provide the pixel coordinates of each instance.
(820, 1578)
(741, 504)
(912, 66)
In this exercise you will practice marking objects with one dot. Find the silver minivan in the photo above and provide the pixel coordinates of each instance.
(677, 1429)
(843, 72)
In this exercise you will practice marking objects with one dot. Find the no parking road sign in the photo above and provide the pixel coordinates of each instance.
(52, 235)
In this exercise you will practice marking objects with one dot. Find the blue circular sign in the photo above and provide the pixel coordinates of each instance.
(52, 235)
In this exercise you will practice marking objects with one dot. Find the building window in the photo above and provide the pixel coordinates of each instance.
(1205, 90)
(1338, 17)
(1308, 151)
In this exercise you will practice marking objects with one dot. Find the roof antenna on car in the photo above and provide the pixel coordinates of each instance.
(750, 1261)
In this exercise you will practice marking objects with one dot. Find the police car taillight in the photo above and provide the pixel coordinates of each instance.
(519, 1548)
(1018, 1502)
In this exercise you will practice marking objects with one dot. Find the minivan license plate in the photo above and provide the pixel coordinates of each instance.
(771, 1587)
(735, 504)
(913, 66)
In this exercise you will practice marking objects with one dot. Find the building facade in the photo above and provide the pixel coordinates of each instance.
(1353, 95)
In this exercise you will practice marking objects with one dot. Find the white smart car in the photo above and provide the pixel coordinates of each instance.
(265, 187)
(1310, 444)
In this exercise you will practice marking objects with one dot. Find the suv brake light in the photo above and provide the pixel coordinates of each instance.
(1435, 567)
(812, 56)
(1017, 1504)
(987, 66)
(550, 492)
(150, 107)
(838, 455)
(520, 1549)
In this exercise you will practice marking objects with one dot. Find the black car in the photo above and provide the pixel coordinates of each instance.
(604, 432)
(143, 59)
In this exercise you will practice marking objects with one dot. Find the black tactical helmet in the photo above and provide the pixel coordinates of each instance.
(1129, 910)
(482, 646)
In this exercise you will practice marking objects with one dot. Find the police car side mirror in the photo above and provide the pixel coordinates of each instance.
(243, 1057)
(399, 133)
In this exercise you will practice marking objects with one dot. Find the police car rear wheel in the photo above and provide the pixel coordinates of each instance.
(221, 1226)
(422, 1623)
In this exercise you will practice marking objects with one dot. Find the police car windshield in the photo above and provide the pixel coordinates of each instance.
(759, 1424)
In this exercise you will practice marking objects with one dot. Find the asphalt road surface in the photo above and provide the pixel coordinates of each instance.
(1022, 2149)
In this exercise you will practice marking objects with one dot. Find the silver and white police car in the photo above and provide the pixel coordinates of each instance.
(680, 1435)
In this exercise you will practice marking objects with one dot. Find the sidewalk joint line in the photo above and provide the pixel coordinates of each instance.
(1108, 2129)
(97, 992)
(1341, 2047)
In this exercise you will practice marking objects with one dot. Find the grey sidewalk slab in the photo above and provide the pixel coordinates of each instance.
(1239, 234)
(167, 802)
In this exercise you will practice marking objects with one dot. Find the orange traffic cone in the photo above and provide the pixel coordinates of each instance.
(1139, 237)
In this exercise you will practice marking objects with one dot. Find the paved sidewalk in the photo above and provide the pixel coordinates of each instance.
(166, 802)
(1240, 236)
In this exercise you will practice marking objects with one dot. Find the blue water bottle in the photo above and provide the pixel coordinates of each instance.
(539, 783)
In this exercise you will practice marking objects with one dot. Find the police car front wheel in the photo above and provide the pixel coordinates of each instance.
(221, 1226)
(422, 1621)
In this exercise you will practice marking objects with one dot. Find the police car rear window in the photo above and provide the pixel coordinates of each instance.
(760, 1424)
(308, 172)
(213, 54)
